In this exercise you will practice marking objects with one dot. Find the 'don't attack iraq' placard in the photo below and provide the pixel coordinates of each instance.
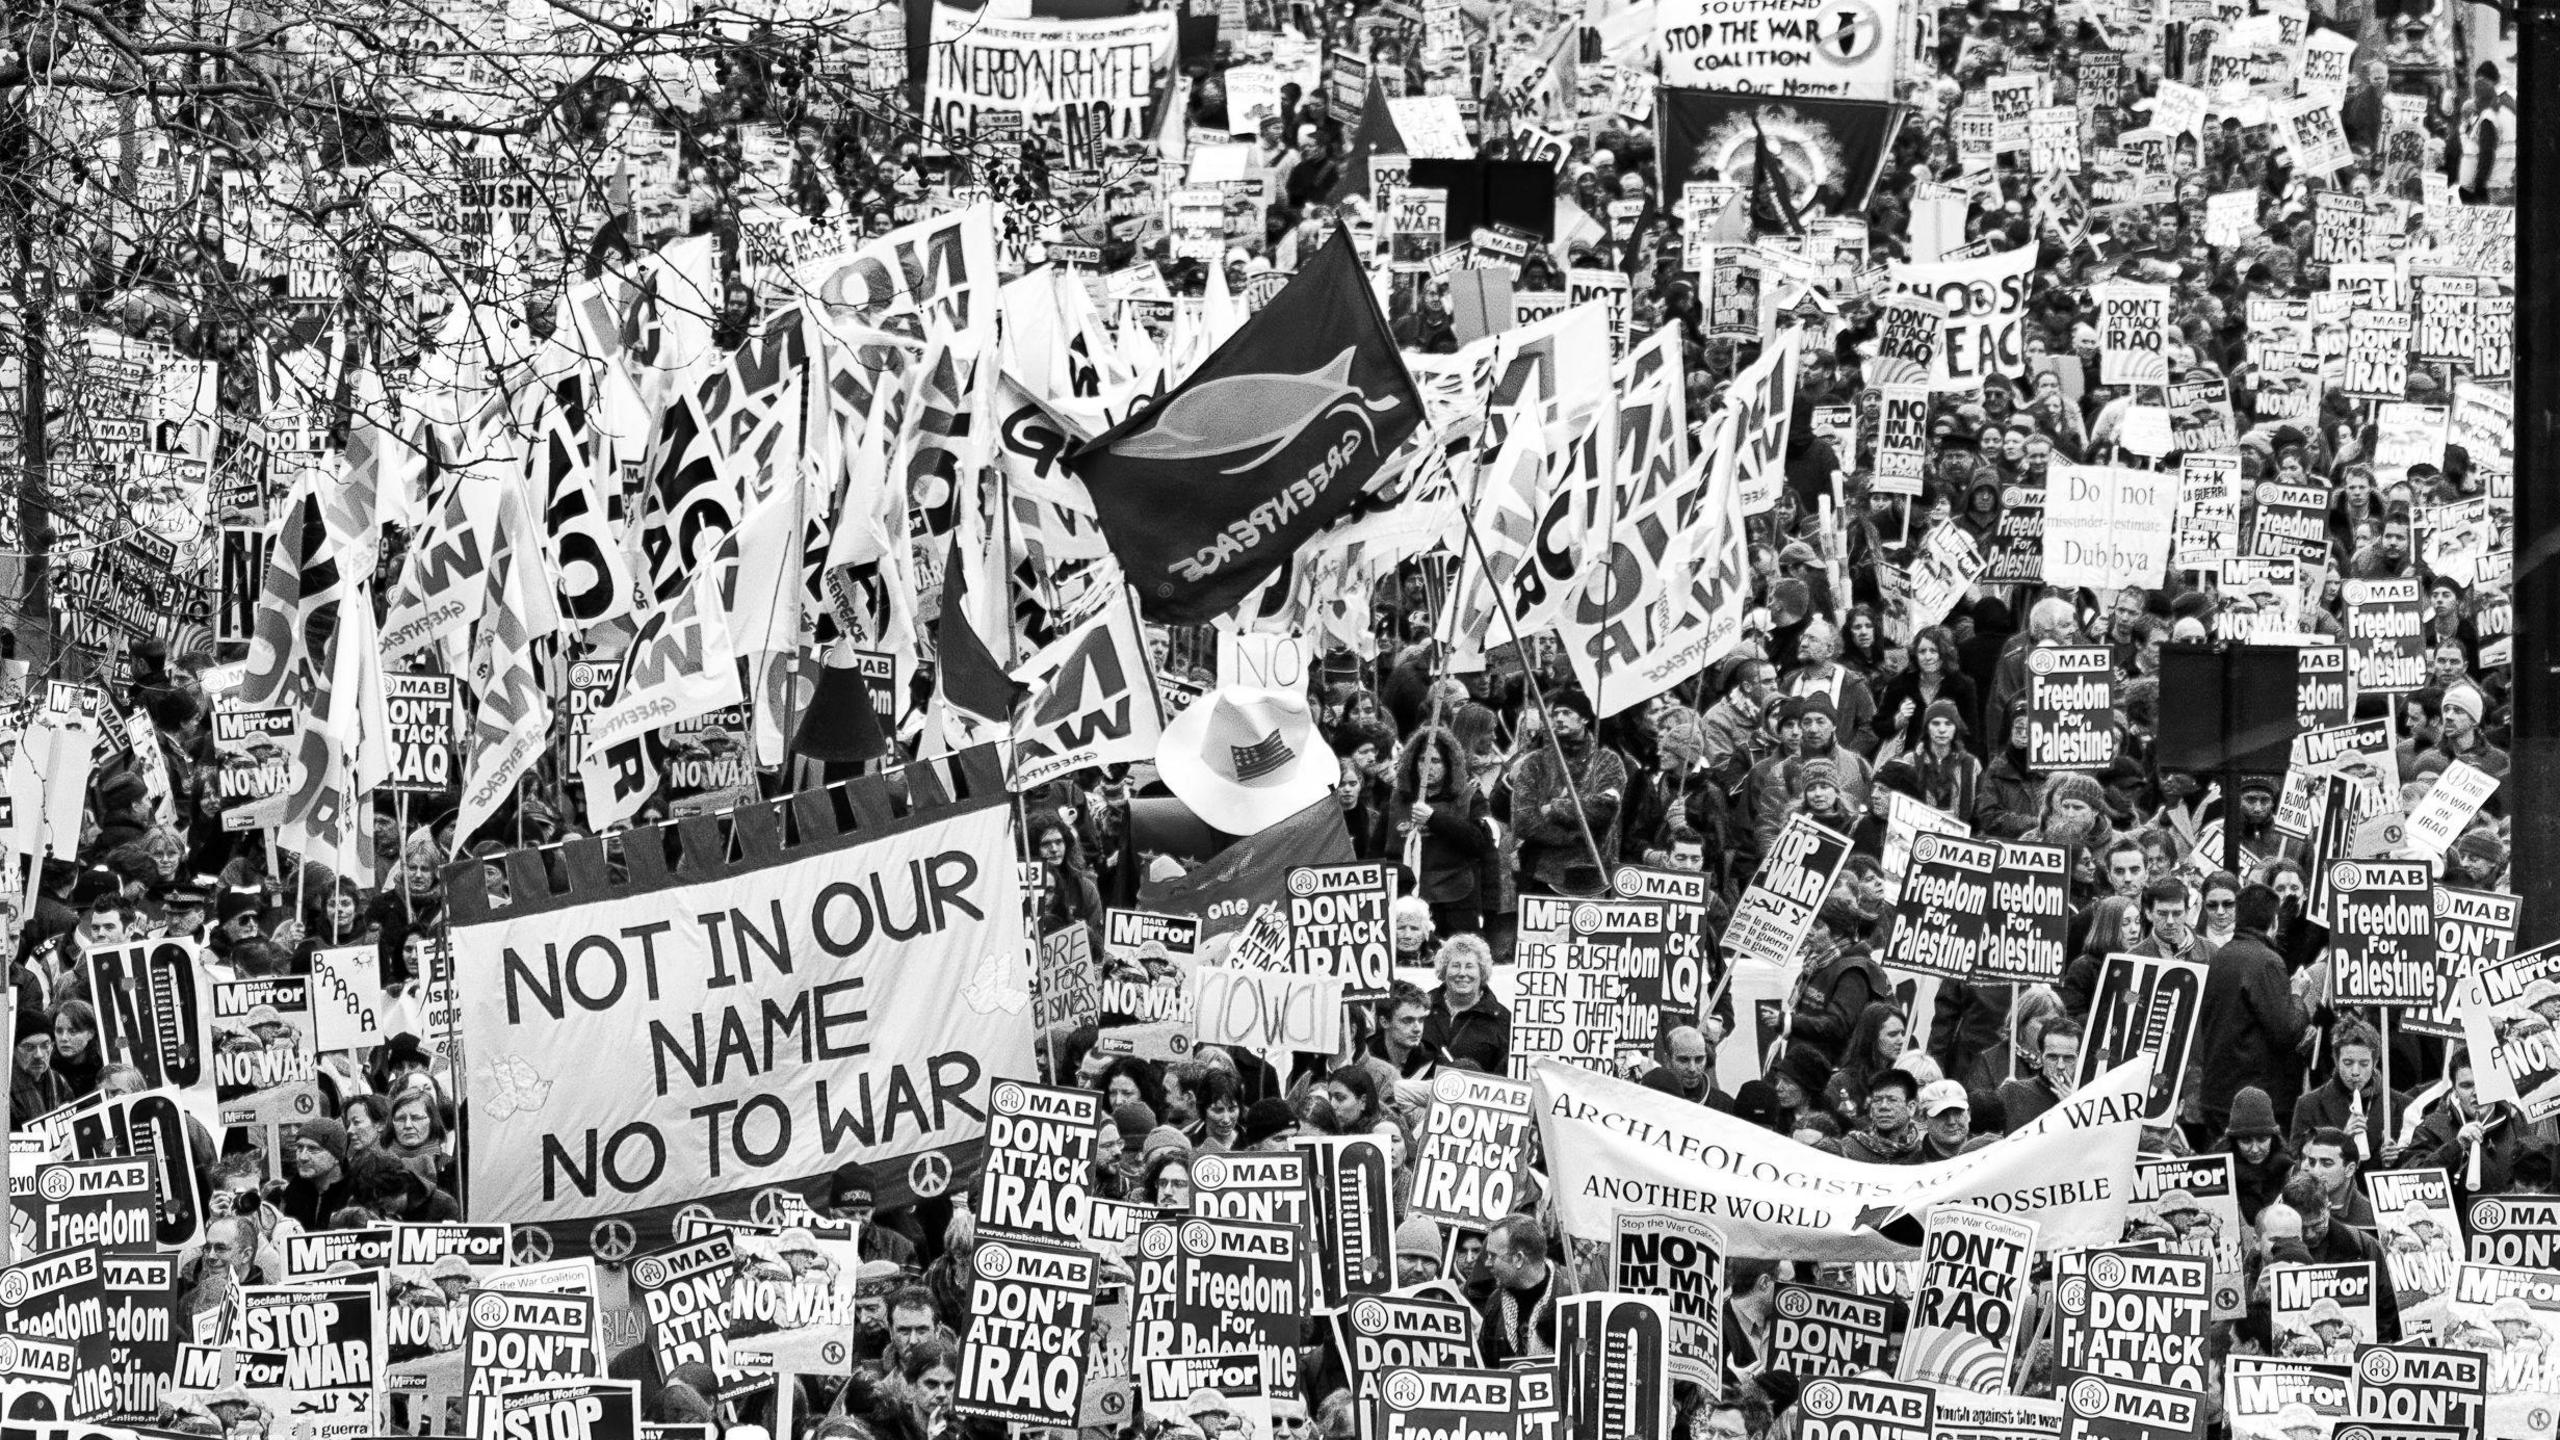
(1339, 925)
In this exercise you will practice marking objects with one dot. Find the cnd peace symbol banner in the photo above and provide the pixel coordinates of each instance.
(722, 1011)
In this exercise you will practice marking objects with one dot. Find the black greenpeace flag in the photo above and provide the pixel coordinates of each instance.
(1829, 151)
(1208, 491)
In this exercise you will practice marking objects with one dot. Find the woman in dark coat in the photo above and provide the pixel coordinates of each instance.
(1933, 675)
(1440, 832)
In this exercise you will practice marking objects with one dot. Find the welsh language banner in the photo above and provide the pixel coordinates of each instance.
(1618, 1147)
(716, 1027)
(1084, 84)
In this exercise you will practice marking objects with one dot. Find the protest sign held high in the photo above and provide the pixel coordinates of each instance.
(753, 1077)
(935, 719)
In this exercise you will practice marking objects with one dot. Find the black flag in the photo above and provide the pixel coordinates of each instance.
(1273, 438)
(1828, 151)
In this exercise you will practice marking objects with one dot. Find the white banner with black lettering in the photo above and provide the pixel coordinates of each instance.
(725, 1025)
(1613, 1147)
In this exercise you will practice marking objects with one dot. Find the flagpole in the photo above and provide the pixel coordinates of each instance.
(1538, 696)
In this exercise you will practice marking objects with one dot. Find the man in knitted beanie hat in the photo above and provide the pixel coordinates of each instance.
(2478, 856)
(2466, 697)
(1124, 1145)
(1417, 1252)
(1265, 1121)
(319, 1189)
(2259, 1163)
(2464, 708)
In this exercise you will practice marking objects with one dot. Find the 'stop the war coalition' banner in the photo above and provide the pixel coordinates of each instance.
(717, 1027)
(1834, 49)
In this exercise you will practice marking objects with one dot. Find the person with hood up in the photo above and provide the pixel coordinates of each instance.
(2073, 812)
(1980, 517)
(2260, 1161)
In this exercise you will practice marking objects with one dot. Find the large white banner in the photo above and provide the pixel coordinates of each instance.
(1084, 84)
(1614, 1147)
(1984, 332)
(1833, 49)
(750, 1019)
(2108, 526)
(1707, 584)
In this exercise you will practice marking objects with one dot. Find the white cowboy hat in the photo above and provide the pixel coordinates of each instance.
(1245, 759)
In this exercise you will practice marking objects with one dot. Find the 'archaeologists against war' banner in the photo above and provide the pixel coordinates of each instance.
(1614, 1146)
(1039, 1166)
(786, 1008)
(1030, 1306)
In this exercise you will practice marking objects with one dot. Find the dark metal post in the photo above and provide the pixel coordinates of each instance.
(2533, 784)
